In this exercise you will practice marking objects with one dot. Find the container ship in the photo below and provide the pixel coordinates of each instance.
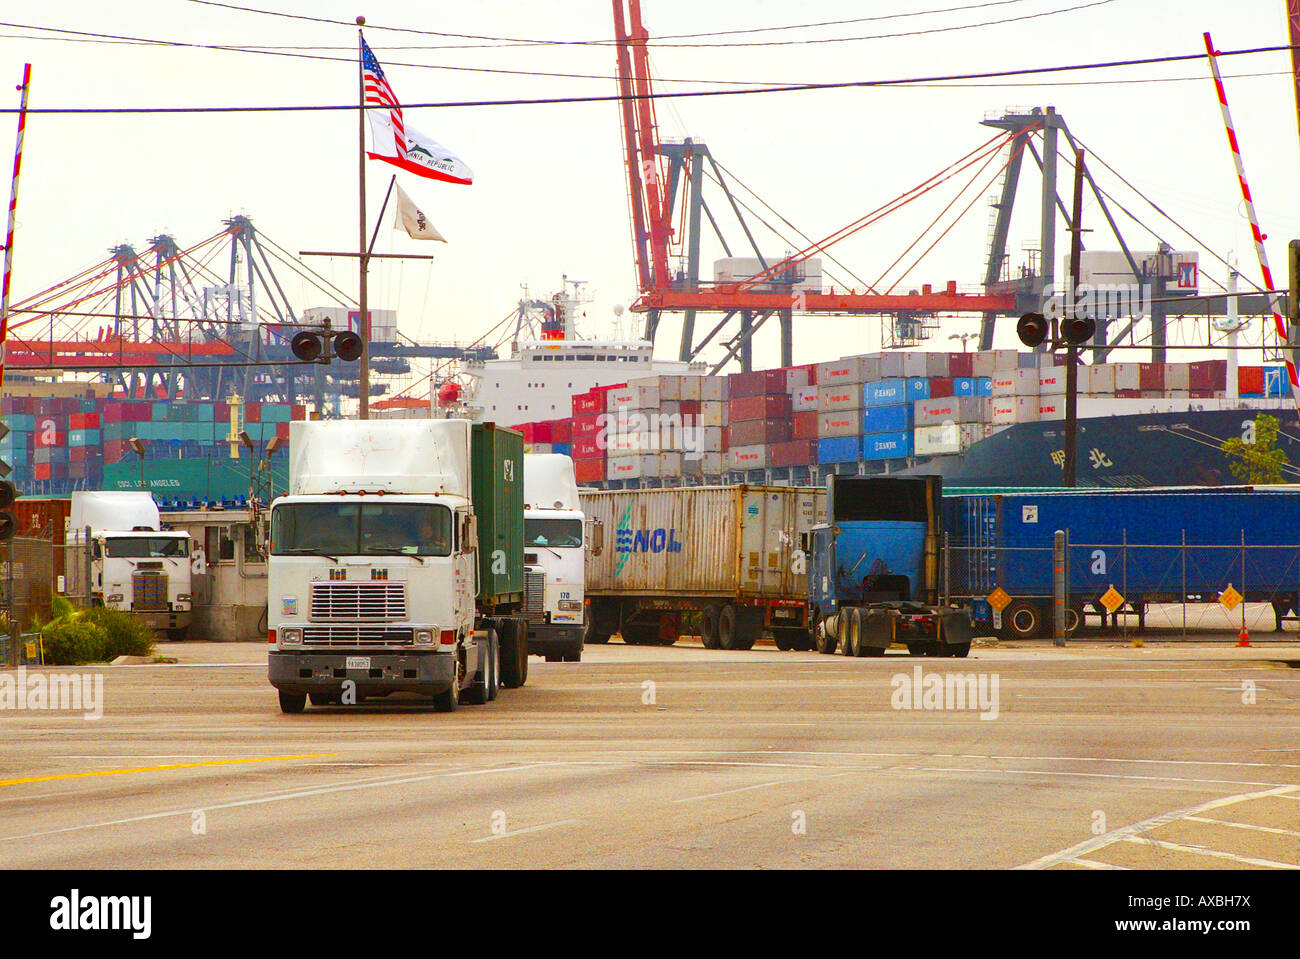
(980, 420)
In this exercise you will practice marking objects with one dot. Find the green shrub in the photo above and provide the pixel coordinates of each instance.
(128, 634)
(73, 641)
(61, 606)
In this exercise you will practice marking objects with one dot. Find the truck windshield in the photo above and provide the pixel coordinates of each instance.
(356, 529)
(552, 532)
(147, 547)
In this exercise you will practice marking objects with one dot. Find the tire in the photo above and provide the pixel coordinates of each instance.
(292, 703)
(956, 651)
(852, 631)
(1022, 620)
(827, 641)
(447, 700)
(923, 648)
(514, 653)
(324, 699)
(573, 657)
(1074, 620)
(554, 657)
(733, 632)
(589, 636)
(784, 641)
(639, 634)
(709, 628)
(494, 665)
(479, 692)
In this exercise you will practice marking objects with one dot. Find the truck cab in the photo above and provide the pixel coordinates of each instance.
(554, 558)
(116, 539)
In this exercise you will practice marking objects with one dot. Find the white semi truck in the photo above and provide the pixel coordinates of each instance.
(554, 558)
(396, 563)
(122, 558)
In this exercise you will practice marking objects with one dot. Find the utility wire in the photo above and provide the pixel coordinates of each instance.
(614, 98)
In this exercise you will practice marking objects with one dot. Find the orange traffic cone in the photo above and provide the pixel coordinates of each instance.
(1243, 638)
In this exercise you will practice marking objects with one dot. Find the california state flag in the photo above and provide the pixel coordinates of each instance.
(397, 143)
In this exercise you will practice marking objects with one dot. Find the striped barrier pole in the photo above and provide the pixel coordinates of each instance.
(13, 206)
(1278, 324)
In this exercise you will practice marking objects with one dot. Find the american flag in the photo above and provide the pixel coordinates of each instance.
(379, 93)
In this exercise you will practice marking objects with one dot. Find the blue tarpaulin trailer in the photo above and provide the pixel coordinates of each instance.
(1168, 545)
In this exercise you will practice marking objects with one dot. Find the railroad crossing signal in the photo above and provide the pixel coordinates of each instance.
(1230, 599)
(1293, 281)
(1111, 600)
(320, 347)
(999, 599)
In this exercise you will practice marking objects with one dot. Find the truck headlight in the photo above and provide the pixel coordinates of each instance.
(570, 605)
(182, 597)
(291, 637)
(114, 598)
(425, 637)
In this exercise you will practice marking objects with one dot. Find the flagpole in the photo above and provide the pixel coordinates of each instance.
(363, 323)
(13, 207)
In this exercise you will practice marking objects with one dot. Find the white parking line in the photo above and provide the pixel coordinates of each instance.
(520, 832)
(1094, 864)
(1244, 825)
(1213, 853)
(775, 782)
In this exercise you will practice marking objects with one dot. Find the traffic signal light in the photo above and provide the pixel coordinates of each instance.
(1293, 281)
(1032, 329)
(312, 347)
(1078, 329)
(8, 493)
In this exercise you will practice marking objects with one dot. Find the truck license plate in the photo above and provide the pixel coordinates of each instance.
(358, 662)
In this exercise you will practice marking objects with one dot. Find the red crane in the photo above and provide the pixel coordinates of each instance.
(653, 172)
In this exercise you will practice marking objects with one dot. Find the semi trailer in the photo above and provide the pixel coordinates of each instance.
(730, 558)
(554, 558)
(397, 563)
(875, 575)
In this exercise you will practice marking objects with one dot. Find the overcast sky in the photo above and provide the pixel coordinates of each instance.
(550, 191)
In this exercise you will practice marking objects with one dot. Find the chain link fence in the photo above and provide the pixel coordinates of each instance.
(26, 595)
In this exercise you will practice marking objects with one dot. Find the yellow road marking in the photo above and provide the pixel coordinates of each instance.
(154, 769)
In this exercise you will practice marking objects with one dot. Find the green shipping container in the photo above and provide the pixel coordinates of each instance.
(497, 489)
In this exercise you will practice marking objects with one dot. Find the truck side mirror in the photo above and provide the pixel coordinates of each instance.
(469, 540)
(803, 542)
(596, 537)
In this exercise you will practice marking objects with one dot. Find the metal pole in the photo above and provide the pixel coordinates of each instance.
(1184, 596)
(15, 631)
(1058, 588)
(1072, 351)
(1124, 580)
(13, 208)
(1243, 579)
(363, 323)
(1234, 327)
(947, 566)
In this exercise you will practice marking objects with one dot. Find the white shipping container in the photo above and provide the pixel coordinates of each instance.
(947, 439)
(936, 364)
(713, 389)
(1051, 381)
(748, 457)
(1005, 410)
(1127, 376)
(914, 364)
(839, 423)
(711, 463)
(712, 413)
(1178, 376)
(871, 368)
(693, 541)
(1051, 408)
(1100, 379)
(804, 399)
(836, 372)
(1016, 382)
(891, 366)
(843, 396)
(955, 409)
(632, 398)
(670, 464)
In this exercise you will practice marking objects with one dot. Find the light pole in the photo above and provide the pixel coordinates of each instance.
(964, 337)
(259, 462)
(138, 445)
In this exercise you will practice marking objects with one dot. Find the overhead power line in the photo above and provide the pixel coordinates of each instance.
(674, 95)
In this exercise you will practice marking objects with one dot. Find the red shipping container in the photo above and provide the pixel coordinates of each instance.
(252, 412)
(582, 426)
(282, 430)
(42, 471)
(561, 431)
(1151, 376)
(221, 412)
(1128, 394)
(940, 387)
(114, 450)
(1250, 379)
(794, 453)
(811, 370)
(56, 437)
(587, 403)
(586, 447)
(758, 408)
(758, 432)
(606, 389)
(1203, 394)
(589, 470)
(961, 364)
(1208, 375)
(689, 407)
(77, 454)
(298, 412)
(805, 425)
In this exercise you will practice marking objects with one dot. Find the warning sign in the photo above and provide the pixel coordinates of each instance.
(999, 599)
(1111, 600)
(1230, 598)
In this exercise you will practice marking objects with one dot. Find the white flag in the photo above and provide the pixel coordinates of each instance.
(410, 218)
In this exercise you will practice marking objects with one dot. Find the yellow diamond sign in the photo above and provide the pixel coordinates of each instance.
(999, 599)
(1111, 600)
(1230, 598)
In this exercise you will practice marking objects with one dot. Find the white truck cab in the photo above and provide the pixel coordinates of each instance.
(132, 562)
(554, 558)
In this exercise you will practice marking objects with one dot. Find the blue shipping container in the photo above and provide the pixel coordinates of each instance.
(984, 386)
(1129, 539)
(918, 388)
(887, 419)
(884, 393)
(887, 446)
(839, 449)
(963, 386)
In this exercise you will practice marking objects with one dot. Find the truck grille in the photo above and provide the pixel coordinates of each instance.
(379, 602)
(357, 636)
(535, 596)
(150, 591)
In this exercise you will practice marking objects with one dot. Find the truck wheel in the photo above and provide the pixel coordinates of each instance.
(494, 664)
(1022, 620)
(590, 636)
(956, 650)
(573, 656)
(784, 641)
(709, 628)
(923, 649)
(480, 691)
(826, 642)
(447, 700)
(851, 631)
(733, 632)
(324, 699)
(292, 702)
(514, 653)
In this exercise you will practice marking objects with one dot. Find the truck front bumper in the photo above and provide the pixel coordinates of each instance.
(545, 638)
(159, 620)
(426, 673)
